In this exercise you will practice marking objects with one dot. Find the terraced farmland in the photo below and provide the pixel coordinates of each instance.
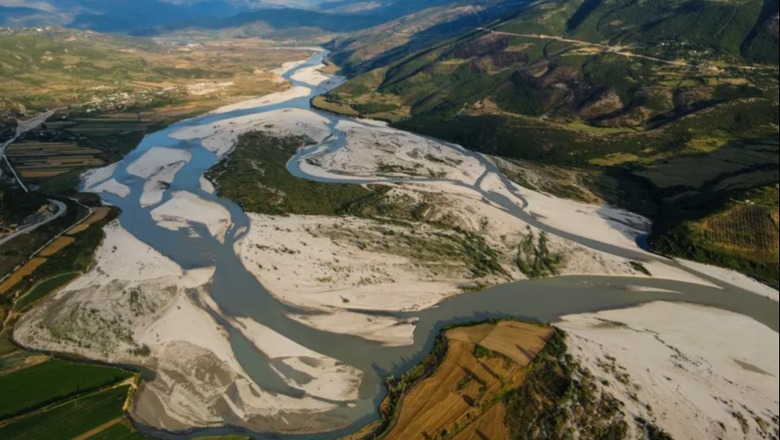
(456, 392)
(36, 160)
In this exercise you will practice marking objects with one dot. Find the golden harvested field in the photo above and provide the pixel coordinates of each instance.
(516, 340)
(98, 214)
(489, 425)
(40, 174)
(56, 246)
(77, 229)
(19, 275)
(481, 361)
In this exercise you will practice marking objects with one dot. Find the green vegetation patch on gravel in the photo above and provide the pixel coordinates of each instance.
(534, 257)
(255, 176)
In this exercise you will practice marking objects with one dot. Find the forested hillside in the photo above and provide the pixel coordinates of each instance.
(668, 108)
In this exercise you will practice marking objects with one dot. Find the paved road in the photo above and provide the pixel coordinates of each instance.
(61, 210)
(620, 50)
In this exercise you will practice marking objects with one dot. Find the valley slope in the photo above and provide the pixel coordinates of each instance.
(667, 108)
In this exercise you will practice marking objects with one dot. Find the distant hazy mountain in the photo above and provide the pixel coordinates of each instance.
(129, 16)
(111, 16)
(147, 17)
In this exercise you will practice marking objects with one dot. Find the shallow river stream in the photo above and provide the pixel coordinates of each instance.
(238, 293)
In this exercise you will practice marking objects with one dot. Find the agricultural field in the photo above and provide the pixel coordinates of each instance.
(49, 382)
(17, 252)
(26, 270)
(118, 430)
(746, 229)
(52, 157)
(56, 246)
(43, 289)
(70, 419)
(84, 231)
(481, 362)
(37, 160)
(45, 397)
(742, 234)
(98, 73)
(98, 214)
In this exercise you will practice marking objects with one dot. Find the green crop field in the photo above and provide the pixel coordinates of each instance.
(50, 382)
(42, 289)
(70, 419)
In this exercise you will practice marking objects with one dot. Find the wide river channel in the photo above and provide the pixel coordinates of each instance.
(238, 293)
